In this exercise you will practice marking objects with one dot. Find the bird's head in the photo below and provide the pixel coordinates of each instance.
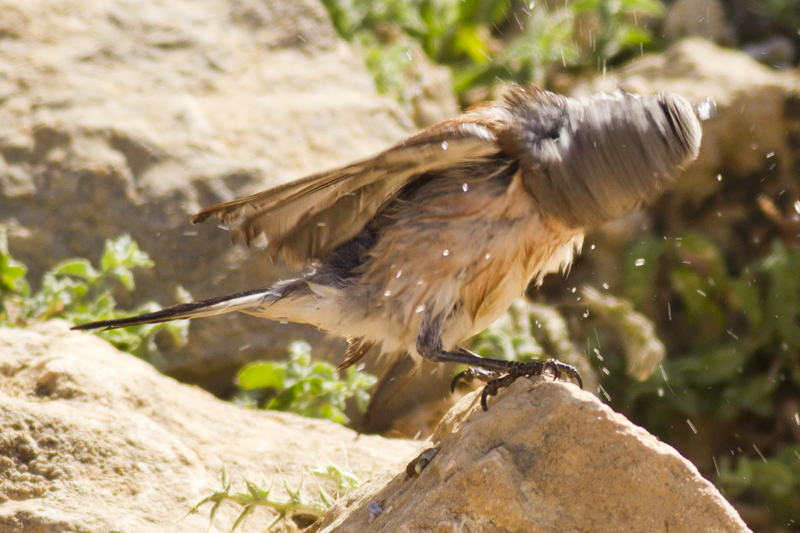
(588, 161)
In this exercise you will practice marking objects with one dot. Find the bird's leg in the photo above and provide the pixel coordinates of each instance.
(498, 373)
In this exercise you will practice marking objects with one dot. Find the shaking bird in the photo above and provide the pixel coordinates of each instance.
(421, 247)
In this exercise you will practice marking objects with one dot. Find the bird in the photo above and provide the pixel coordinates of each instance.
(421, 247)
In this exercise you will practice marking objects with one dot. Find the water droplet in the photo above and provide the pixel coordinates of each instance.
(771, 154)
(446, 253)
(387, 293)
(701, 293)
(419, 309)
(605, 286)
(444, 145)
(694, 429)
(487, 256)
(399, 273)
(660, 392)
(797, 206)
(706, 109)
(719, 177)
(639, 262)
(464, 187)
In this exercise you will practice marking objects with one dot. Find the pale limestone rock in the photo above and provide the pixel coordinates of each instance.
(545, 457)
(95, 440)
(697, 18)
(127, 117)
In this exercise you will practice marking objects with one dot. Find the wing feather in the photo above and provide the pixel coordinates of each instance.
(309, 217)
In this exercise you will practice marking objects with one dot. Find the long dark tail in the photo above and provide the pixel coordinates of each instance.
(243, 301)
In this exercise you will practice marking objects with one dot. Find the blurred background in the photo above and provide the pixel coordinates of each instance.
(124, 119)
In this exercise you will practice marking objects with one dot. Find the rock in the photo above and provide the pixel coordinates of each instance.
(136, 116)
(545, 457)
(95, 440)
(697, 18)
(776, 52)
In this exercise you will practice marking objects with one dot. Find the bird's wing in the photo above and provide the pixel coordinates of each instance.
(309, 217)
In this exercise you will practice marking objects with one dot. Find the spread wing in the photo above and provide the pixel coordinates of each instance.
(310, 217)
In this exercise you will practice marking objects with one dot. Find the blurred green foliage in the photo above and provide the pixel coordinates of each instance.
(740, 363)
(482, 41)
(77, 291)
(303, 386)
(784, 12)
(776, 479)
(746, 332)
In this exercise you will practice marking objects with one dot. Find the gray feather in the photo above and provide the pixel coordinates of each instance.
(588, 161)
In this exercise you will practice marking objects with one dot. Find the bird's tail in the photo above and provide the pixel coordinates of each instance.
(243, 301)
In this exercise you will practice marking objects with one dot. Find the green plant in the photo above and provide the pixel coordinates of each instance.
(296, 505)
(482, 41)
(775, 480)
(303, 386)
(734, 362)
(78, 292)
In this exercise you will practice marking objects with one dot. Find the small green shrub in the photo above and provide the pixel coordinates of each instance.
(77, 291)
(303, 386)
(483, 41)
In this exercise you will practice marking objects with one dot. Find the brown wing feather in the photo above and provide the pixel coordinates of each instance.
(310, 217)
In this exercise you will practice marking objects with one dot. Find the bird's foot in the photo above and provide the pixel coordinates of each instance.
(473, 373)
(496, 380)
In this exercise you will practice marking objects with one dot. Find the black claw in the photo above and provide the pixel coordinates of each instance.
(496, 381)
(472, 373)
(466, 376)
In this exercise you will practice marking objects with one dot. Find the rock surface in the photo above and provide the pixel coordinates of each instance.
(120, 117)
(545, 457)
(95, 440)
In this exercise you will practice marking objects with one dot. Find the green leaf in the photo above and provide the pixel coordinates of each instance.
(754, 395)
(640, 268)
(80, 268)
(261, 375)
(718, 365)
(746, 298)
(12, 273)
